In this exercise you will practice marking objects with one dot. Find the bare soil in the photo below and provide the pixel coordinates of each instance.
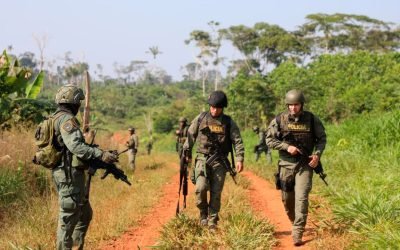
(267, 201)
(146, 233)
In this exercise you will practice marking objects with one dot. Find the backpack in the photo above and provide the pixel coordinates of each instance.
(47, 154)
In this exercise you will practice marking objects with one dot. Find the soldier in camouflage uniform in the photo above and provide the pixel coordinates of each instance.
(298, 135)
(211, 178)
(132, 144)
(75, 211)
(181, 135)
(261, 147)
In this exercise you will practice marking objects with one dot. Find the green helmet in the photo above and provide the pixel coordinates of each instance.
(69, 94)
(294, 96)
(182, 119)
(255, 128)
(218, 99)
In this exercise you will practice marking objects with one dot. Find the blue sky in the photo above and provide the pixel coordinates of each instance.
(104, 32)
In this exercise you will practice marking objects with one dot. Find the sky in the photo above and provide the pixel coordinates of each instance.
(107, 32)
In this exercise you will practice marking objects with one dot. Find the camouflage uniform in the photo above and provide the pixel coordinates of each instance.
(296, 175)
(132, 144)
(212, 177)
(262, 147)
(149, 146)
(75, 211)
(181, 135)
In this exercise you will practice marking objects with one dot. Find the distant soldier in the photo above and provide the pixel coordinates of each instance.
(261, 147)
(149, 146)
(181, 135)
(300, 138)
(75, 211)
(132, 144)
(214, 132)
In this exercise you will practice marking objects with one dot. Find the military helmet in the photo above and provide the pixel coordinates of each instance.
(294, 96)
(255, 128)
(131, 129)
(182, 119)
(69, 94)
(218, 99)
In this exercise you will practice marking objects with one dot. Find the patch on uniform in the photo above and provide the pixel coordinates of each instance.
(216, 129)
(70, 126)
(298, 127)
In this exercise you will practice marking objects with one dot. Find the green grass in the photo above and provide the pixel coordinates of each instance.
(362, 159)
(238, 228)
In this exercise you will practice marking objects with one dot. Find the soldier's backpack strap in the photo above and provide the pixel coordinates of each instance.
(200, 119)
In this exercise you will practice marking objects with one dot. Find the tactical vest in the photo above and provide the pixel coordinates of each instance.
(182, 135)
(219, 129)
(298, 133)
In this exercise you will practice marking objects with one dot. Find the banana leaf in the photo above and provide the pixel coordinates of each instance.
(33, 89)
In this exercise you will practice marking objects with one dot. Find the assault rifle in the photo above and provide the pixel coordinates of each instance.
(110, 168)
(305, 158)
(183, 181)
(217, 154)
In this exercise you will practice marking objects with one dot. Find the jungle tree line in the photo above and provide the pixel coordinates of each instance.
(265, 46)
(262, 47)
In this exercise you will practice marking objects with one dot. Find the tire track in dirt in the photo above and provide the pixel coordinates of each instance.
(267, 201)
(145, 234)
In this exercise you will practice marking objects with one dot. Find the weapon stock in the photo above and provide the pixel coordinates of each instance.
(305, 157)
(183, 182)
(218, 155)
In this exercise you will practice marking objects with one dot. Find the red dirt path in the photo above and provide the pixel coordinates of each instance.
(266, 200)
(146, 233)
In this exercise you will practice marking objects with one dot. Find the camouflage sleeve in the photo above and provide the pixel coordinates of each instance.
(272, 138)
(261, 139)
(319, 132)
(74, 140)
(191, 135)
(130, 142)
(136, 139)
(237, 141)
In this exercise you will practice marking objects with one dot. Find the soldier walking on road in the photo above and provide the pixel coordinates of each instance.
(261, 147)
(149, 146)
(212, 177)
(300, 138)
(132, 144)
(75, 211)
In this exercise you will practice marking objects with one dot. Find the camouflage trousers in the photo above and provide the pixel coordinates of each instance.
(132, 159)
(74, 213)
(267, 153)
(296, 201)
(210, 179)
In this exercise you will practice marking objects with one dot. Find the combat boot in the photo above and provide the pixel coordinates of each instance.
(297, 241)
(203, 219)
(212, 228)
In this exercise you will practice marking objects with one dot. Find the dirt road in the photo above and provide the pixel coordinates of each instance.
(264, 198)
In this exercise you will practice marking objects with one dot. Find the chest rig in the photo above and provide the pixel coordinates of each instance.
(220, 133)
(297, 131)
(182, 134)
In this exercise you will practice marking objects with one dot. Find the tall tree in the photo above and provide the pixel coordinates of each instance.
(346, 32)
(202, 40)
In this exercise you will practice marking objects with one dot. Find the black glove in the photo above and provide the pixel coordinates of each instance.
(109, 157)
